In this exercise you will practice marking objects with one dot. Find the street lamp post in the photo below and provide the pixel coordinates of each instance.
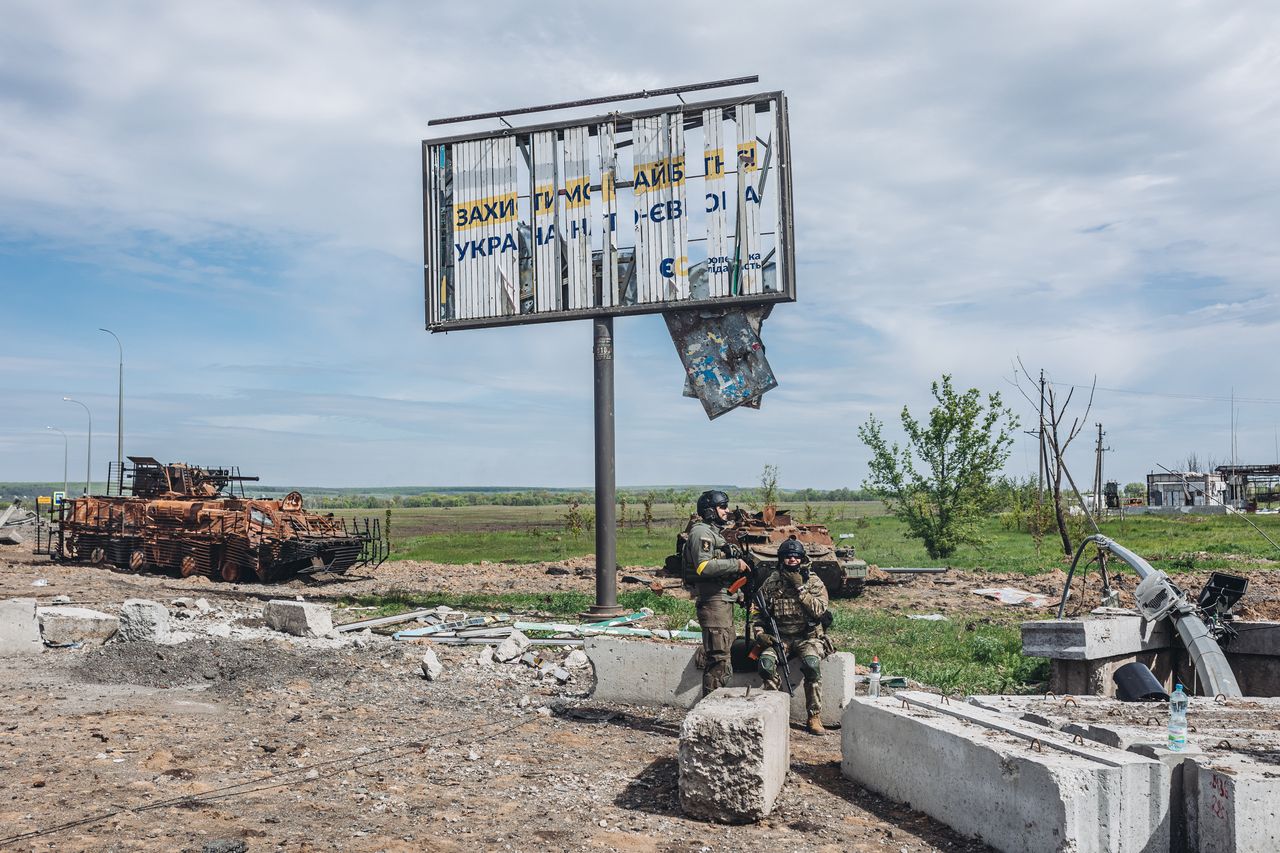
(119, 417)
(88, 454)
(64, 458)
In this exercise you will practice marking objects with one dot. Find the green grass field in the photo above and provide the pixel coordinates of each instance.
(536, 534)
(974, 656)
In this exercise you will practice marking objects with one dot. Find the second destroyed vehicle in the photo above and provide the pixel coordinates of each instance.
(755, 537)
(178, 519)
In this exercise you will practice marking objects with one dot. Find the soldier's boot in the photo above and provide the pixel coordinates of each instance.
(813, 696)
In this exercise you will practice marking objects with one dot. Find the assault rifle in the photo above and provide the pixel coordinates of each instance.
(757, 601)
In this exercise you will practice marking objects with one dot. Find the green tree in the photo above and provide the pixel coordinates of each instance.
(961, 448)
(1135, 490)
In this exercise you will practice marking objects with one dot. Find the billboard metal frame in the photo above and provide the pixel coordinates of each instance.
(622, 122)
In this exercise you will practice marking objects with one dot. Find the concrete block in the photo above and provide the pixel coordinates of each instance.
(143, 621)
(636, 672)
(1232, 805)
(1015, 785)
(61, 625)
(19, 628)
(300, 618)
(735, 749)
(1093, 638)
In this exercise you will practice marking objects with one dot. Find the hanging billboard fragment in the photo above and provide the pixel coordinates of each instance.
(641, 212)
(723, 357)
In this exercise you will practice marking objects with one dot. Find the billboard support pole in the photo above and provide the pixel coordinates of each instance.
(606, 530)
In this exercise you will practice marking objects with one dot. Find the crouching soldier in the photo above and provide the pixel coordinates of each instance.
(798, 601)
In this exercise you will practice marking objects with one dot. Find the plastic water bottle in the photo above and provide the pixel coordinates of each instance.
(1178, 720)
(873, 683)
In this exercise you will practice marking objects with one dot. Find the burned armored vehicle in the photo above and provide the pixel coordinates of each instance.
(188, 520)
(755, 536)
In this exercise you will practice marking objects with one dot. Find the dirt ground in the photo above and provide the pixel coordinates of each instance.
(260, 742)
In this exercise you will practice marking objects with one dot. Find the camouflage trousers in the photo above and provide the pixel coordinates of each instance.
(716, 619)
(811, 651)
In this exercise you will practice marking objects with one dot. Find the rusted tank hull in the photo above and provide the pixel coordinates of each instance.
(755, 537)
(181, 524)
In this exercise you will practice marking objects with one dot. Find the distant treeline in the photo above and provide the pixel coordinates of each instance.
(385, 497)
(546, 497)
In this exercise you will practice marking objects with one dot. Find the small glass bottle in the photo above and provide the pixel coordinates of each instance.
(873, 677)
(1178, 702)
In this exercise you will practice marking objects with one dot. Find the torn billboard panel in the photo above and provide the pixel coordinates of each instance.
(723, 357)
(626, 213)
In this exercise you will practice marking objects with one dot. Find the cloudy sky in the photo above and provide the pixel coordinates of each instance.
(235, 190)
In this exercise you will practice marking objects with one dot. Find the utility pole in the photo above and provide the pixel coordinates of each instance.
(1040, 480)
(1097, 476)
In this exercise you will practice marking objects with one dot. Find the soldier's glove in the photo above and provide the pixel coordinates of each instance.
(794, 578)
(826, 619)
(764, 641)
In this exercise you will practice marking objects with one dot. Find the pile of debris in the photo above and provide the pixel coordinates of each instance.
(447, 626)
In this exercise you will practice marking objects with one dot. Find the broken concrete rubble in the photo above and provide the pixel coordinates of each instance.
(431, 666)
(63, 626)
(511, 647)
(142, 620)
(300, 618)
(735, 749)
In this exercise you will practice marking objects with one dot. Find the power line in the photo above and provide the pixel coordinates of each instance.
(1197, 397)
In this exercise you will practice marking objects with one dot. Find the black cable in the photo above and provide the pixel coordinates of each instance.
(1066, 587)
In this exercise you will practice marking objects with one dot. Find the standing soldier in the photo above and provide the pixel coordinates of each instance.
(798, 602)
(706, 560)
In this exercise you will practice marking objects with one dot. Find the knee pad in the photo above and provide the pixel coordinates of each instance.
(811, 666)
(768, 664)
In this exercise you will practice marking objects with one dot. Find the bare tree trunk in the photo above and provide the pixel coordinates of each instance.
(1058, 513)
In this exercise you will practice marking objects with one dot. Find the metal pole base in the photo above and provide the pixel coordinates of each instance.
(600, 612)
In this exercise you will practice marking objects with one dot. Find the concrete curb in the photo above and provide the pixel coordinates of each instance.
(636, 672)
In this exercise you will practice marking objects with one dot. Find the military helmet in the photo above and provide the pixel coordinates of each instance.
(791, 548)
(707, 503)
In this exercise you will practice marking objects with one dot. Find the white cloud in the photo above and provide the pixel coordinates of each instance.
(236, 187)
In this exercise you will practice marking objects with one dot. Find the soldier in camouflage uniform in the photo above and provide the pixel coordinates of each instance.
(706, 561)
(798, 601)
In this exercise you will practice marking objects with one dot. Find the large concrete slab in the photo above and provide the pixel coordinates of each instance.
(66, 625)
(300, 618)
(638, 672)
(1232, 805)
(19, 628)
(735, 749)
(1093, 638)
(1016, 785)
(1085, 653)
(1224, 790)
